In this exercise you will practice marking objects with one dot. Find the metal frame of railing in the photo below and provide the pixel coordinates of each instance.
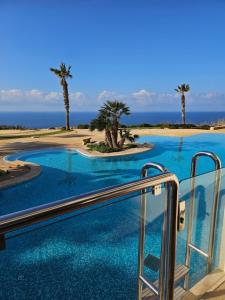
(212, 234)
(141, 279)
(48, 211)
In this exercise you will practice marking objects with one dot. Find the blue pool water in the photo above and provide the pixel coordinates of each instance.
(67, 173)
(92, 255)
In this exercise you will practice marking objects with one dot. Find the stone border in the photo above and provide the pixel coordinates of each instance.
(128, 152)
(34, 171)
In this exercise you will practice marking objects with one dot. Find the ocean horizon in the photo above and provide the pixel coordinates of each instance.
(57, 119)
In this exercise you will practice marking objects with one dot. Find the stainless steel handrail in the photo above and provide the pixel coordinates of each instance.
(211, 245)
(161, 292)
(37, 214)
(152, 165)
(44, 212)
(209, 154)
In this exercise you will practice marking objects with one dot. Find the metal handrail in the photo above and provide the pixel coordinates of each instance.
(209, 154)
(47, 211)
(152, 165)
(211, 245)
(40, 213)
(141, 279)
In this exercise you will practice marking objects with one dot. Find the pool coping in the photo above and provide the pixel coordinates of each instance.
(95, 154)
(34, 171)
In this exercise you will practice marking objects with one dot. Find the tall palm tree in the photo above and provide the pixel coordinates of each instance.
(64, 73)
(182, 89)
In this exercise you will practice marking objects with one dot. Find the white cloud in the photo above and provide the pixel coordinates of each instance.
(5, 94)
(143, 94)
(79, 99)
(139, 100)
(105, 94)
(34, 93)
(53, 96)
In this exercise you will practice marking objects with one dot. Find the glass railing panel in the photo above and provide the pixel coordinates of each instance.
(153, 234)
(204, 196)
(90, 254)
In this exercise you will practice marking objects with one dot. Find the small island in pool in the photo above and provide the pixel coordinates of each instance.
(116, 135)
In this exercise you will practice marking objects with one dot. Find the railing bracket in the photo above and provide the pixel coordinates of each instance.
(181, 216)
(157, 190)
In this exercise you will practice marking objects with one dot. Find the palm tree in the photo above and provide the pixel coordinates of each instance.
(125, 134)
(114, 110)
(102, 122)
(108, 120)
(182, 89)
(63, 73)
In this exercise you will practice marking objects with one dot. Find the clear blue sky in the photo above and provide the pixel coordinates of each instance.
(127, 49)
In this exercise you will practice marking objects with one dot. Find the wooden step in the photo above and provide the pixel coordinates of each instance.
(180, 272)
(179, 292)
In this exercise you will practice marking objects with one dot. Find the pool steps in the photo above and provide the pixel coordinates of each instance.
(148, 290)
(180, 272)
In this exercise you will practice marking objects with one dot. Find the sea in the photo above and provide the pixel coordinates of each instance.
(57, 119)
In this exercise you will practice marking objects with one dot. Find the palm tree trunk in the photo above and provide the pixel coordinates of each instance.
(121, 142)
(113, 137)
(114, 134)
(108, 139)
(67, 119)
(183, 108)
(66, 103)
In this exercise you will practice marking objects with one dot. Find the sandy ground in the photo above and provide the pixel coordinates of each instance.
(74, 139)
(15, 132)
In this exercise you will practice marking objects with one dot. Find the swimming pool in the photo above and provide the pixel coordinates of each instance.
(66, 173)
(93, 255)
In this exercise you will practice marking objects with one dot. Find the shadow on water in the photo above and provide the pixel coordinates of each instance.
(53, 184)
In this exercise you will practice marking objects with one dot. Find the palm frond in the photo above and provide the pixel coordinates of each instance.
(62, 72)
(183, 88)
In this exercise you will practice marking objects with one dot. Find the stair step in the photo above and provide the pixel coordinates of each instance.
(180, 272)
(179, 292)
(152, 262)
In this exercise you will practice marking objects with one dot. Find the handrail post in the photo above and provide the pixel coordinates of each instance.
(212, 234)
(211, 246)
(141, 242)
(168, 251)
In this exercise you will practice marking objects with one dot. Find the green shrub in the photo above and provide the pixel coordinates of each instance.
(101, 147)
(170, 126)
(204, 126)
(82, 126)
(130, 146)
(3, 127)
